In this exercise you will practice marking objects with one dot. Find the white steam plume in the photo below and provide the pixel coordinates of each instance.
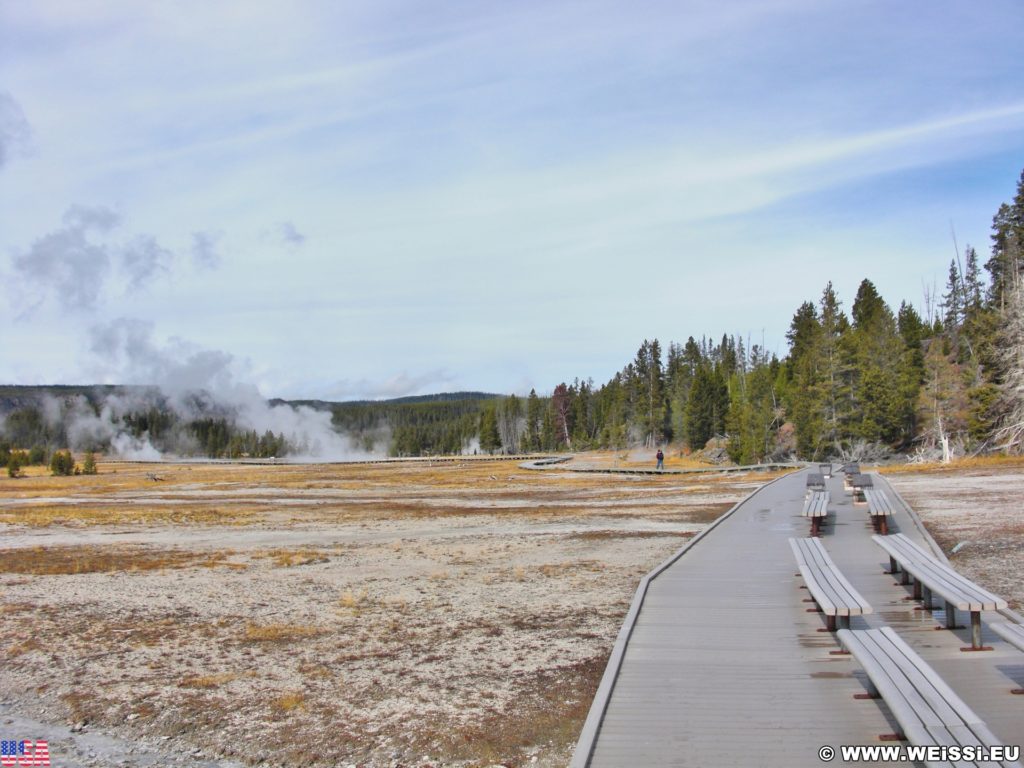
(198, 382)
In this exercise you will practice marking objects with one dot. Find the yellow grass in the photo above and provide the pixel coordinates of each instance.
(975, 462)
(96, 559)
(278, 633)
(289, 702)
(206, 682)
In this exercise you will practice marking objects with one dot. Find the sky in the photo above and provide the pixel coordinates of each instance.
(371, 199)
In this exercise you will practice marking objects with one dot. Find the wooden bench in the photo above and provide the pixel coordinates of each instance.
(850, 468)
(816, 508)
(879, 508)
(929, 575)
(928, 711)
(1014, 635)
(858, 484)
(815, 482)
(835, 596)
(826, 470)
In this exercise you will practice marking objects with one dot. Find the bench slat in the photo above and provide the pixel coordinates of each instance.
(825, 570)
(897, 697)
(955, 588)
(816, 504)
(1011, 633)
(830, 589)
(952, 586)
(878, 502)
(928, 711)
(915, 686)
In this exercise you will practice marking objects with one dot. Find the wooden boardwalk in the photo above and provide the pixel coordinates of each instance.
(720, 663)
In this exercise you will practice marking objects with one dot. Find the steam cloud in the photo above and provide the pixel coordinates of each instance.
(74, 267)
(197, 383)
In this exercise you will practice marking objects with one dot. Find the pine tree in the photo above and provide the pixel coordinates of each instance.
(1007, 257)
(832, 393)
(490, 440)
(874, 348)
(803, 374)
(953, 301)
(89, 464)
(62, 463)
(534, 417)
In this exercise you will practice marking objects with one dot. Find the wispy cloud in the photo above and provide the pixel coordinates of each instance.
(399, 385)
(14, 128)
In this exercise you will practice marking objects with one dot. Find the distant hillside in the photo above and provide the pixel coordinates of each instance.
(137, 421)
(16, 396)
(441, 397)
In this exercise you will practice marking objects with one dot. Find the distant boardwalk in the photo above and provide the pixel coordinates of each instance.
(721, 663)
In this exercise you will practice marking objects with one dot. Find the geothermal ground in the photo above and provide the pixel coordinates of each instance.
(371, 615)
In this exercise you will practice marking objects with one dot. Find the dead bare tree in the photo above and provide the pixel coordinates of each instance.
(1010, 435)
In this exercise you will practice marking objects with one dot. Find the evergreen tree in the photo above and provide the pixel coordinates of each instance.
(490, 440)
(1007, 247)
(953, 302)
(62, 463)
(708, 406)
(649, 397)
(534, 417)
(874, 347)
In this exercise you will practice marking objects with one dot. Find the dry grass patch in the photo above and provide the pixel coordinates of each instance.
(279, 633)
(958, 465)
(290, 702)
(52, 561)
(207, 682)
(288, 558)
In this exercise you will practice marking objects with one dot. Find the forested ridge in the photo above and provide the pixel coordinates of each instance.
(869, 380)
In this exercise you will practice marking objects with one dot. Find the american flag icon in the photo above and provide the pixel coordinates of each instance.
(24, 753)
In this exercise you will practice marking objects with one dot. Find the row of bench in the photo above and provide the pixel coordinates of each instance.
(927, 710)
(815, 508)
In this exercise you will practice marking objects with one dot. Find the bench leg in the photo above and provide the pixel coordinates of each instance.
(976, 634)
(884, 525)
(893, 568)
(830, 622)
(917, 589)
(950, 616)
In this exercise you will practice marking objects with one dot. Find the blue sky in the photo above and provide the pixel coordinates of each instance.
(373, 199)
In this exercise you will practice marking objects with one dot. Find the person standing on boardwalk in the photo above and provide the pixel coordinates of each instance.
(661, 459)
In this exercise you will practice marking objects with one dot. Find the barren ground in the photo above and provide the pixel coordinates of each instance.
(370, 615)
(365, 614)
